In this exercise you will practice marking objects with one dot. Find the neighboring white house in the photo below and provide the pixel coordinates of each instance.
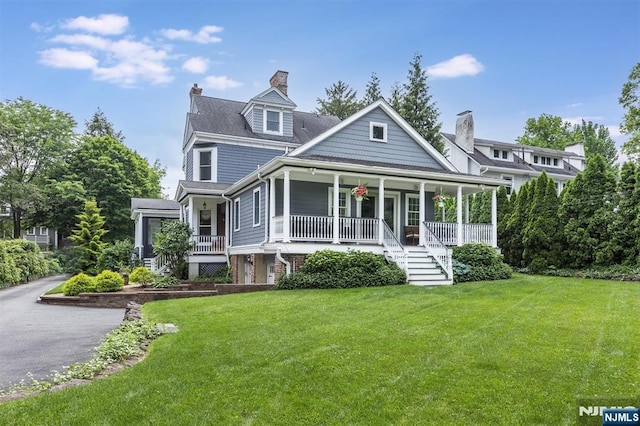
(265, 185)
(510, 161)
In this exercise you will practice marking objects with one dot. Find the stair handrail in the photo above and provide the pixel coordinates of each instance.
(440, 252)
(393, 246)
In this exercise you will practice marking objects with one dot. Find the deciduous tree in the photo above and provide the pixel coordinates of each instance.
(34, 138)
(630, 101)
(547, 131)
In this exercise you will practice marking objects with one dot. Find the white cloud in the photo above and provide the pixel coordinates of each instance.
(170, 181)
(221, 82)
(203, 36)
(457, 66)
(614, 131)
(94, 42)
(106, 24)
(574, 105)
(64, 58)
(578, 120)
(196, 65)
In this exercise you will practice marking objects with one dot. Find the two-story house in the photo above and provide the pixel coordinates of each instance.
(265, 185)
(515, 163)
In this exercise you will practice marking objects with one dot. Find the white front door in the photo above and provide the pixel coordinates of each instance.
(271, 273)
(247, 272)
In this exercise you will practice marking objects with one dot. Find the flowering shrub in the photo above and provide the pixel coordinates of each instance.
(440, 198)
(360, 191)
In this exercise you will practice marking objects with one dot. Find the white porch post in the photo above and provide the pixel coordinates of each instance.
(494, 218)
(227, 224)
(190, 216)
(336, 209)
(421, 216)
(286, 208)
(459, 215)
(272, 208)
(466, 208)
(381, 211)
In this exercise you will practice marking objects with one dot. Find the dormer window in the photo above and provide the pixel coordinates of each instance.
(273, 122)
(377, 132)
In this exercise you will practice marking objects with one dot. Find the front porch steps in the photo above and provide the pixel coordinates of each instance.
(423, 268)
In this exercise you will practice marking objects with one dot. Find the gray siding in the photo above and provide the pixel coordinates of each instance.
(287, 123)
(188, 175)
(235, 162)
(274, 98)
(258, 117)
(353, 142)
(249, 234)
(249, 118)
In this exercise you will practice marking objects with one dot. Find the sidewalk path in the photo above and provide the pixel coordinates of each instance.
(38, 338)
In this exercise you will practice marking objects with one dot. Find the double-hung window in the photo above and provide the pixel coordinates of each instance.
(256, 207)
(236, 214)
(273, 121)
(413, 210)
(205, 165)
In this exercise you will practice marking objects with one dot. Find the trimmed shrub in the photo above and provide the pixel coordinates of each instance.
(9, 272)
(107, 281)
(478, 262)
(333, 269)
(81, 283)
(141, 275)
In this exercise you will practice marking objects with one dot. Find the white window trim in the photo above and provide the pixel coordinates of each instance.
(512, 178)
(373, 124)
(214, 164)
(406, 209)
(264, 121)
(31, 231)
(253, 210)
(346, 191)
(496, 151)
(44, 230)
(236, 214)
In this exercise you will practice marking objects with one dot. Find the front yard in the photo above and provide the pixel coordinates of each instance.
(520, 351)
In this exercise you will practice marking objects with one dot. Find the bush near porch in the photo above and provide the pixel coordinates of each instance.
(333, 269)
(478, 262)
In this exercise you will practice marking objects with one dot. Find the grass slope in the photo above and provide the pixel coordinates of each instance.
(512, 352)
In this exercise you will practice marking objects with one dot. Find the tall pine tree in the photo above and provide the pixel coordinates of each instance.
(372, 92)
(341, 101)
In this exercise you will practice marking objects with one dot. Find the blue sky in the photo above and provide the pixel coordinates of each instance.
(136, 60)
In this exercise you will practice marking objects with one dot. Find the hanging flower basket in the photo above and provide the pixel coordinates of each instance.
(360, 192)
(440, 199)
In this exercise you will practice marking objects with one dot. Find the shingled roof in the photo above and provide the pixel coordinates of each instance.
(223, 117)
(153, 204)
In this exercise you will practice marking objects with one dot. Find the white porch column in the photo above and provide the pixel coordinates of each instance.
(286, 208)
(459, 215)
(422, 216)
(494, 218)
(272, 208)
(227, 225)
(381, 211)
(466, 208)
(336, 209)
(190, 216)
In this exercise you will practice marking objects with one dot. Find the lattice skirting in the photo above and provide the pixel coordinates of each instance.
(210, 268)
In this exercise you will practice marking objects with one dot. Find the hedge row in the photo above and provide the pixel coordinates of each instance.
(105, 281)
(333, 269)
(22, 261)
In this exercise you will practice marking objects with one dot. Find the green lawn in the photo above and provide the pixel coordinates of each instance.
(508, 352)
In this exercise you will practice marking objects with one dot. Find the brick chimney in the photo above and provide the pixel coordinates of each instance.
(464, 131)
(279, 81)
(195, 90)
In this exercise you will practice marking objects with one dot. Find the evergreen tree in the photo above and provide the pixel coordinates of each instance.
(100, 126)
(541, 239)
(485, 207)
(516, 225)
(341, 101)
(416, 106)
(372, 92)
(504, 210)
(87, 237)
(624, 230)
(395, 100)
(587, 209)
(504, 238)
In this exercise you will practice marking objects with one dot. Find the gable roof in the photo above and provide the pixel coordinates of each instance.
(186, 187)
(271, 96)
(153, 204)
(224, 117)
(383, 105)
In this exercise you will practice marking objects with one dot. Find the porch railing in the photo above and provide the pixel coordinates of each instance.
(38, 239)
(208, 244)
(320, 228)
(438, 249)
(394, 250)
(447, 232)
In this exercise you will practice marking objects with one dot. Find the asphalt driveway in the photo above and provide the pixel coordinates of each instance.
(39, 338)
